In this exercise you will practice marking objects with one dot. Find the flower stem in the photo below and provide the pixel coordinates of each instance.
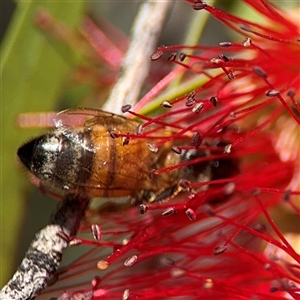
(135, 67)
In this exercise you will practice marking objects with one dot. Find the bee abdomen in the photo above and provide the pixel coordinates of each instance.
(75, 161)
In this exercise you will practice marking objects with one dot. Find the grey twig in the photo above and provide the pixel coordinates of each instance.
(45, 252)
(135, 67)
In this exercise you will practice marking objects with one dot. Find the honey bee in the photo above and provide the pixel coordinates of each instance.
(99, 154)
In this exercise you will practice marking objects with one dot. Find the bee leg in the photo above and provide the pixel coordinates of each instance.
(147, 196)
(166, 194)
(140, 197)
(171, 192)
(163, 195)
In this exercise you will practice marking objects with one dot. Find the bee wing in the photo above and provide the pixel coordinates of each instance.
(73, 122)
(88, 118)
(80, 117)
(69, 118)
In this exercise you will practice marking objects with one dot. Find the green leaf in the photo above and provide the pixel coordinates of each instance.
(32, 72)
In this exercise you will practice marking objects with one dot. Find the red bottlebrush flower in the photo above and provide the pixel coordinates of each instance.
(216, 239)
